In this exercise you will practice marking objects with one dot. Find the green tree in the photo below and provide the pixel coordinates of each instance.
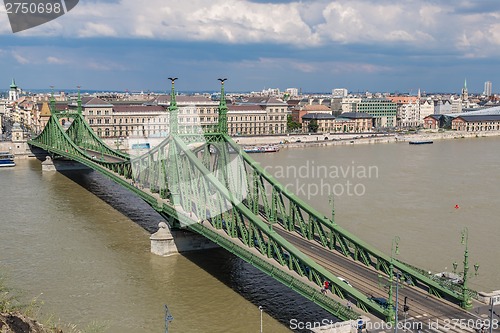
(313, 126)
(291, 124)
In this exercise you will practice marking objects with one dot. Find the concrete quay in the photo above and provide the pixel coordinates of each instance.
(305, 140)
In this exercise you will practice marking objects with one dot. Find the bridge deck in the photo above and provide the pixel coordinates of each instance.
(424, 307)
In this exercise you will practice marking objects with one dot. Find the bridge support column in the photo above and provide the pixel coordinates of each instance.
(48, 164)
(166, 242)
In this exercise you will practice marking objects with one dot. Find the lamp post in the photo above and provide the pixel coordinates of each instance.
(332, 203)
(396, 319)
(466, 301)
(394, 250)
(261, 309)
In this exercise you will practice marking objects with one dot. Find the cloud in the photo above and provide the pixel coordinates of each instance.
(56, 60)
(20, 59)
(424, 24)
(97, 30)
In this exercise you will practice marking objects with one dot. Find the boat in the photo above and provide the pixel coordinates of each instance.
(6, 159)
(261, 149)
(424, 142)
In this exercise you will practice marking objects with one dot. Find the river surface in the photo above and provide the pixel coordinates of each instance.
(81, 243)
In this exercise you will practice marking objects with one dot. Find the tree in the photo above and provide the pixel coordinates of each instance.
(291, 124)
(313, 126)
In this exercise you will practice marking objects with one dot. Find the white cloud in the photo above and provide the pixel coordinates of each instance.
(96, 29)
(423, 24)
(56, 60)
(20, 59)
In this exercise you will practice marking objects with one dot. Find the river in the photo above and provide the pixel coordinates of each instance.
(81, 243)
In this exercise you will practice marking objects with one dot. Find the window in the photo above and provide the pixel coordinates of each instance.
(106, 132)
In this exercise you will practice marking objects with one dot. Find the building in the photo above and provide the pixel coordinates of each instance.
(196, 112)
(13, 92)
(487, 88)
(339, 93)
(98, 114)
(137, 121)
(349, 103)
(363, 122)
(382, 110)
(407, 110)
(249, 119)
(476, 123)
(43, 116)
(349, 122)
(442, 106)
(456, 105)
(300, 111)
(292, 92)
(426, 109)
(276, 112)
(433, 121)
(325, 122)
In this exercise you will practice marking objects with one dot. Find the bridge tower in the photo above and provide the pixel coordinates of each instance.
(222, 109)
(173, 154)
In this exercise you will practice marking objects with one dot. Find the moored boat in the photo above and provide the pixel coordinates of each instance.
(6, 159)
(424, 142)
(261, 149)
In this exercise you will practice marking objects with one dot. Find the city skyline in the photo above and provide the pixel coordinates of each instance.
(312, 45)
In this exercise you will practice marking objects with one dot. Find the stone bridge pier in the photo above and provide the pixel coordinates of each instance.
(166, 242)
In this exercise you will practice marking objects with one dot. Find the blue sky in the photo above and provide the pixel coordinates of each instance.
(313, 45)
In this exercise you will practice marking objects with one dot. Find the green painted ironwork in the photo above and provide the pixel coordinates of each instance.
(222, 109)
(191, 178)
(174, 112)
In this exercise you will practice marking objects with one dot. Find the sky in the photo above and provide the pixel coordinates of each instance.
(312, 45)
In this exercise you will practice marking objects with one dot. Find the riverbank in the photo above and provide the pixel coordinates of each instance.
(317, 140)
(21, 149)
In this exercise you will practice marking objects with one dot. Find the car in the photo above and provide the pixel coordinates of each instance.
(382, 302)
(344, 280)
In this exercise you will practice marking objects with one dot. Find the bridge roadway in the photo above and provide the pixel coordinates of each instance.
(102, 157)
(424, 308)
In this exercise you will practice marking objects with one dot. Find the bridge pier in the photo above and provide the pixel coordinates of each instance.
(48, 164)
(166, 242)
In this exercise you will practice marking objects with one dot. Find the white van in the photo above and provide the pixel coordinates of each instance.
(344, 280)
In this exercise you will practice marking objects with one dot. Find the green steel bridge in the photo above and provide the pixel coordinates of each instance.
(204, 182)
